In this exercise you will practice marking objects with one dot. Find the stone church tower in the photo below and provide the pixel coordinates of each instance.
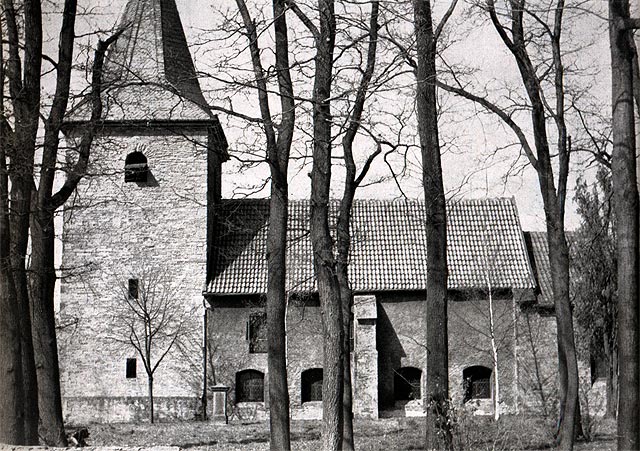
(139, 223)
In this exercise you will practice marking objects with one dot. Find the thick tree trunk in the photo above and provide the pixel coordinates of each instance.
(31, 414)
(20, 230)
(625, 191)
(11, 388)
(276, 313)
(20, 237)
(324, 260)
(567, 361)
(612, 378)
(346, 296)
(25, 99)
(278, 156)
(438, 433)
(11, 383)
(333, 372)
(278, 149)
(43, 280)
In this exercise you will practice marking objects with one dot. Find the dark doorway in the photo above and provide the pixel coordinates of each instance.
(311, 385)
(407, 384)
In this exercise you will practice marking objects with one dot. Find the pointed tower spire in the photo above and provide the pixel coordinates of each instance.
(149, 69)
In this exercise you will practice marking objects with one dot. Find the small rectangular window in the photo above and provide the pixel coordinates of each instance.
(257, 333)
(133, 288)
(132, 368)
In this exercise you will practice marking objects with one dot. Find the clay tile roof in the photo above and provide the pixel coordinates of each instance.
(149, 73)
(388, 246)
(538, 249)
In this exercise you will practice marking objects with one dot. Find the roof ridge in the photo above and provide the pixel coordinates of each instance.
(503, 200)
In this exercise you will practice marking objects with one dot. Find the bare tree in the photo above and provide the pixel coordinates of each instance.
(279, 138)
(353, 179)
(437, 374)
(11, 384)
(24, 98)
(355, 42)
(625, 193)
(152, 319)
(543, 82)
(42, 401)
(322, 242)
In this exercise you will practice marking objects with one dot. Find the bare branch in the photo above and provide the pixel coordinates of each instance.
(304, 19)
(445, 19)
(501, 113)
(80, 168)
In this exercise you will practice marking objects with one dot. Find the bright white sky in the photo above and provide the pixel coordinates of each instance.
(470, 170)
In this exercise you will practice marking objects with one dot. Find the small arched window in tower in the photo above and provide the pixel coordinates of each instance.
(249, 386)
(477, 383)
(407, 384)
(311, 385)
(136, 168)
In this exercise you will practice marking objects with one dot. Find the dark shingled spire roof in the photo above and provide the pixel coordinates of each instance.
(148, 71)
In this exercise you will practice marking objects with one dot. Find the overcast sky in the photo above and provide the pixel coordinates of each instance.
(472, 169)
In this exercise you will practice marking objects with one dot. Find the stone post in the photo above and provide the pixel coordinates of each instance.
(220, 393)
(365, 401)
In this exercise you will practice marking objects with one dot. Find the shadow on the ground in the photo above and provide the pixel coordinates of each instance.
(196, 445)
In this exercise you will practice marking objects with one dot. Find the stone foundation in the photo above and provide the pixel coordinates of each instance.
(87, 410)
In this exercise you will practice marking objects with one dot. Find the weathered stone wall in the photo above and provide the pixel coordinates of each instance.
(399, 339)
(537, 361)
(538, 367)
(115, 231)
(470, 343)
(401, 326)
(113, 409)
(229, 350)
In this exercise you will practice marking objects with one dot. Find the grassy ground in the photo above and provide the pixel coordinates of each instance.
(473, 433)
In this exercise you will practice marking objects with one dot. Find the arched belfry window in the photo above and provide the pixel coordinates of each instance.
(407, 384)
(136, 168)
(477, 383)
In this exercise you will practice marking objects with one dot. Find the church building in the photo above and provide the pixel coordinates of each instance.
(148, 224)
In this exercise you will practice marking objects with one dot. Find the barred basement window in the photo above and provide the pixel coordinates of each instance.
(312, 385)
(249, 386)
(133, 288)
(136, 168)
(257, 333)
(132, 368)
(407, 384)
(477, 383)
